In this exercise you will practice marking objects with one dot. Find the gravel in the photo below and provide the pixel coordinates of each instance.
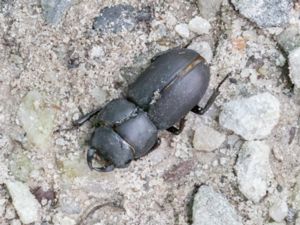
(294, 62)
(253, 170)
(266, 13)
(24, 202)
(212, 208)
(253, 117)
(207, 139)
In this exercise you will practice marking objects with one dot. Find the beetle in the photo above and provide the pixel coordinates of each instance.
(127, 128)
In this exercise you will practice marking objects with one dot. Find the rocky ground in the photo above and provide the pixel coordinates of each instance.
(237, 164)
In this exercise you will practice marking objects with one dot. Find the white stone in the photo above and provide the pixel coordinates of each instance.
(204, 49)
(207, 139)
(37, 118)
(183, 30)
(279, 211)
(253, 117)
(212, 208)
(294, 62)
(253, 170)
(25, 203)
(199, 25)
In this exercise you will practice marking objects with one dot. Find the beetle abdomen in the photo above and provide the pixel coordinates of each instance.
(178, 98)
(159, 74)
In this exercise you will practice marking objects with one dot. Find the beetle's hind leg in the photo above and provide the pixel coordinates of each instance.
(175, 130)
(90, 157)
(201, 110)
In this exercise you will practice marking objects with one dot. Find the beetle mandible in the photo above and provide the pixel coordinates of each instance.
(162, 95)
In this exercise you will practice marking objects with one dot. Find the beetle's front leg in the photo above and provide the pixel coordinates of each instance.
(85, 117)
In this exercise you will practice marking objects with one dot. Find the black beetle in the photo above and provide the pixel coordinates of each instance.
(161, 96)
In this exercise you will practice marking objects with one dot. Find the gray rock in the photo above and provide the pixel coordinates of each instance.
(183, 30)
(289, 39)
(294, 62)
(199, 25)
(253, 170)
(120, 17)
(24, 202)
(265, 13)
(252, 118)
(212, 208)
(54, 10)
(209, 9)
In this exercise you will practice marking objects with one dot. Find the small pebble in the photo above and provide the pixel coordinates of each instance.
(24, 202)
(253, 117)
(10, 213)
(279, 211)
(199, 25)
(253, 170)
(212, 208)
(183, 30)
(207, 139)
(294, 62)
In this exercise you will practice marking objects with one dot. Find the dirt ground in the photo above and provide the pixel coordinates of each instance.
(72, 66)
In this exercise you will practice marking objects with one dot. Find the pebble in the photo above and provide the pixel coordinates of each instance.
(265, 13)
(279, 211)
(253, 170)
(294, 62)
(183, 30)
(207, 139)
(26, 205)
(204, 49)
(10, 213)
(120, 17)
(99, 95)
(289, 39)
(212, 208)
(199, 25)
(54, 10)
(253, 117)
(209, 9)
(36, 118)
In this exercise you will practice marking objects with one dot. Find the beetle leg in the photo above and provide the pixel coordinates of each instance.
(156, 145)
(85, 117)
(201, 110)
(175, 130)
(90, 156)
